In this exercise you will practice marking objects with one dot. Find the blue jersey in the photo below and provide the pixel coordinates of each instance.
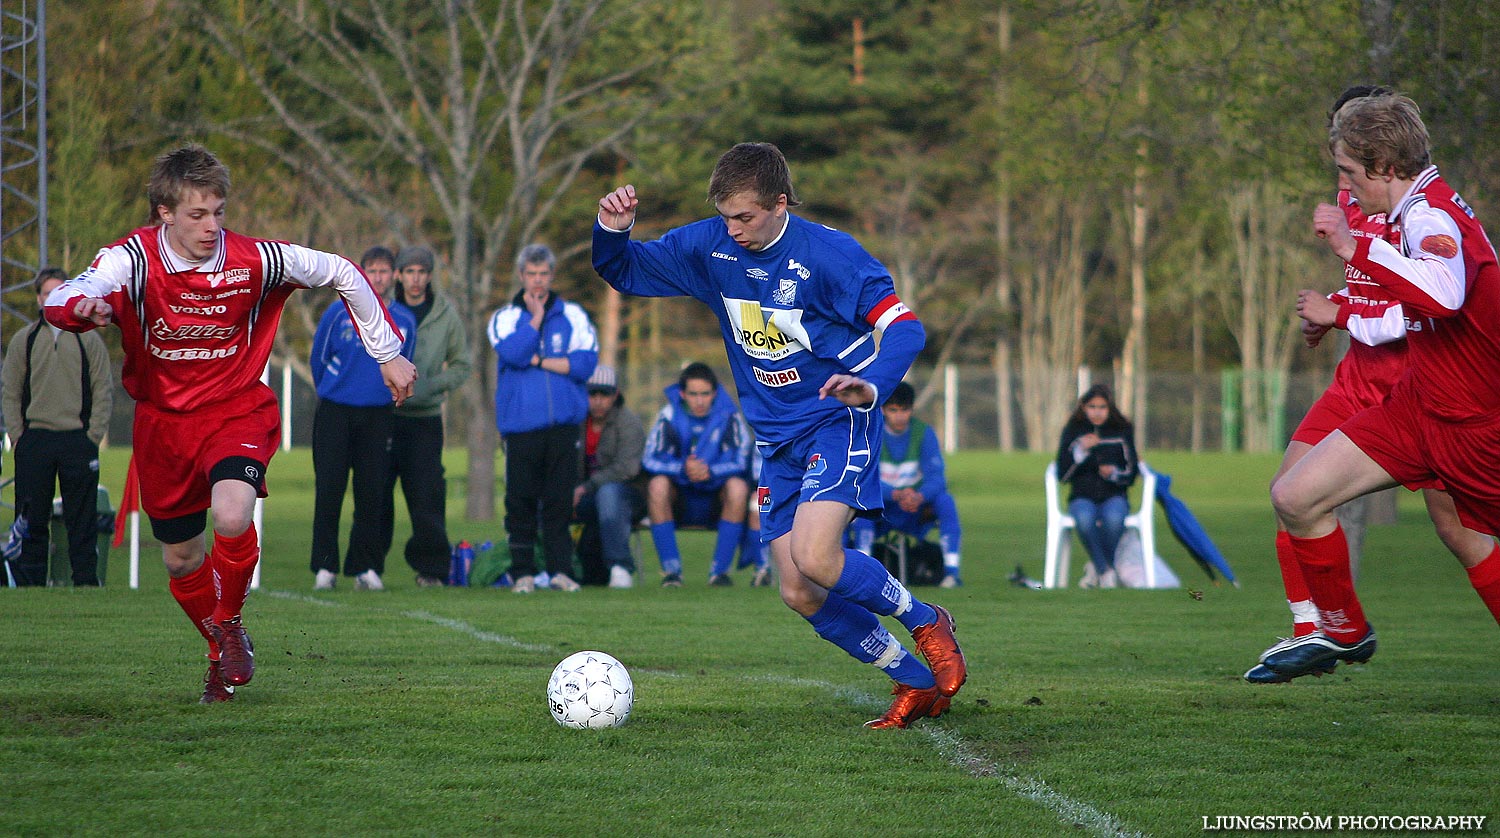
(802, 309)
(342, 370)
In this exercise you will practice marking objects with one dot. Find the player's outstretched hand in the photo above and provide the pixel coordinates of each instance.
(94, 310)
(399, 375)
(617, 209)
(1330, 225)
(849, 389)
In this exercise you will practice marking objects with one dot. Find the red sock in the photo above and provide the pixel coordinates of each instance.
(233, 562)
(1304, 613)
(1325, 567)
(195, 593)
(1485, 577)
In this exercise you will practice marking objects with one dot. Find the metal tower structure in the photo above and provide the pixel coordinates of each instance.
(23, 146)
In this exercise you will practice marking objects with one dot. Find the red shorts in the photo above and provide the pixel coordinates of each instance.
(174, 452)
(1331, 410)
(1421, 452)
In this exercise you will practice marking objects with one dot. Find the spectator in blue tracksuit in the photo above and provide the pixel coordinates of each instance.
(913, 485)
(547, 350)
(352, 432)
(698, 453)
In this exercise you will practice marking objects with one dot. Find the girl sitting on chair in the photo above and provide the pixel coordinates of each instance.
(1096, 456)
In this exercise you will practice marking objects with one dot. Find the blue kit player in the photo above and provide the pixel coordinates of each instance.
(799, 305)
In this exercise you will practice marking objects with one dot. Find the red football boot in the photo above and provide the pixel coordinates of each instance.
(909, 705)
(236, 652)
(940, 648)
(214, 688)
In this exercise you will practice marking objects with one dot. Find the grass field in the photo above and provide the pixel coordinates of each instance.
(422, 712)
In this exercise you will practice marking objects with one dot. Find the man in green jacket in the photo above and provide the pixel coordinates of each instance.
(443, 363)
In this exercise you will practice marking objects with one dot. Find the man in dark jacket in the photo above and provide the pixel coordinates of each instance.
(547, 349)
(609, 500)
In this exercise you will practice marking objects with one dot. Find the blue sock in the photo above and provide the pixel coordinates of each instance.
(859, 632)
(664, 537)
(750, 552)
(866, 582)
(725, 544)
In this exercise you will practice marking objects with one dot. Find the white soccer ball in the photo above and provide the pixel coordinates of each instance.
(590, 690)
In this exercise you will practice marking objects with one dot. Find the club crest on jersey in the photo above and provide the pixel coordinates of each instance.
(798, 268)
(785, 293)
(757, 273)
(557, 343)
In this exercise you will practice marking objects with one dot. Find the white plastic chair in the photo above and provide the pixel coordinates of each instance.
(1060, 527)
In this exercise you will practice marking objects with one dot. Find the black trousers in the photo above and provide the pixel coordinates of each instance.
(417, 458)
(69, 460)
(541, 469)
(345, 439)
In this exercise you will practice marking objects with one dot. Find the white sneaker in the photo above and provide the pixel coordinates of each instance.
(324, 580)
(562, 582)
(368, 581)
(524, 585)
(619, 577)
(1109, 579)
(543, 581)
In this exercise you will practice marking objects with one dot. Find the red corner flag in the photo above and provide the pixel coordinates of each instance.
(130, 502)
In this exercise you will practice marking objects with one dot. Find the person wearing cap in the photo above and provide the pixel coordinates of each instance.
(443, 364)
(546, 350)
(352, 433)
(609, 499)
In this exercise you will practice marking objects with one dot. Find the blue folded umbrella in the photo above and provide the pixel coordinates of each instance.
(1188, 531)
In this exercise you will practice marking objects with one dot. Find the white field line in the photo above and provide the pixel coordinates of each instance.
(953, 747)
(486, 636)
(296, 597)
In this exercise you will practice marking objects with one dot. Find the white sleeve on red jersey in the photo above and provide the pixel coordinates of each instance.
(316, 269)
(106, 278)
(1369, 323)
(1432, 281)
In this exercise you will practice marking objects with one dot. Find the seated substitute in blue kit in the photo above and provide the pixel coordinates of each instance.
(697, 454)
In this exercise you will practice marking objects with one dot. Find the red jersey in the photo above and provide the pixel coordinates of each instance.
(199, 335)
(1375, 322)
(1444, 272)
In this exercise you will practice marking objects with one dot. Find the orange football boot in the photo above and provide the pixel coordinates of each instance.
(938, 645)
(909, 705)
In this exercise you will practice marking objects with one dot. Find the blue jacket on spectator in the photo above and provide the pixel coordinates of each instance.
(527, 397)
(721, 439)
(342, 371)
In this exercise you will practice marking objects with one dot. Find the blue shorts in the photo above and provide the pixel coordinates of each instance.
(838, 461)
(696, 507)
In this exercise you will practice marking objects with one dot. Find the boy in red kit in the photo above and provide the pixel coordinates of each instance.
(1442, 415)
(197, 307)
(1375, 361)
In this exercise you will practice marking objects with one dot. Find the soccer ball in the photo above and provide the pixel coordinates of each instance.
(590, 690)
